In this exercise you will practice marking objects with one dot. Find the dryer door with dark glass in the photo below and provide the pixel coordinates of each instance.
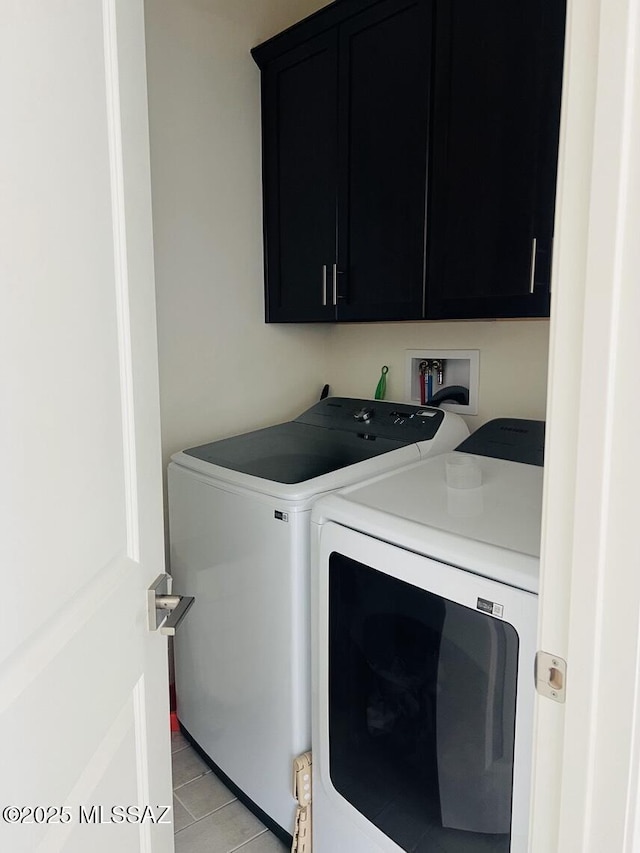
(428, 716)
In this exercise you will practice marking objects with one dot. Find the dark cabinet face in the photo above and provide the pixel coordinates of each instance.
(300, 181)
(410, 157)
(345, 127)
(385, 64)
(494, 157)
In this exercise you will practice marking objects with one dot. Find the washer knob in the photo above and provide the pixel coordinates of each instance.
(364, 415)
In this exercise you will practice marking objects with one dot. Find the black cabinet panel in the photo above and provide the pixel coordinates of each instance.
(494, 157)
(410, 157)
(385, 64)
(300, 177)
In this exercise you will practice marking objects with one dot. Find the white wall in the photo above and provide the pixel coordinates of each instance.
(513, 361)
(222, 370)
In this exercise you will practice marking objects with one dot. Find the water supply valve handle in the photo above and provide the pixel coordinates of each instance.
(423, 368)
(438, 367)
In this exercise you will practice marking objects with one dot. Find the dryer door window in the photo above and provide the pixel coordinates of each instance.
(422, 702)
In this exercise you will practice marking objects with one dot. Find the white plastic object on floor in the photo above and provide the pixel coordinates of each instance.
(302, 793)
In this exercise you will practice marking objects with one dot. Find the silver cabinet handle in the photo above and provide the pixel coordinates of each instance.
(324, 284)
(335, 284)
(164, 610)
(532, 282)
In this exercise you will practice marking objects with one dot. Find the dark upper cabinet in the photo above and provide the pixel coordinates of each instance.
(300, 180)
(409, 160)
(496, 113)
(384, 84)
(345, 138)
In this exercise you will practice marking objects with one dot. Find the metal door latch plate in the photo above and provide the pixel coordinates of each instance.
(551, 676)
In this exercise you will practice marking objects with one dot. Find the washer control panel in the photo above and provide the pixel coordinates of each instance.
(375, 418)
(363, 415)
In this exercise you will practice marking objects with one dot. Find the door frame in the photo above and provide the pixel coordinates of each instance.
(587, 752)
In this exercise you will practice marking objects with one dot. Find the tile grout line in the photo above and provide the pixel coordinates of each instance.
(213, 811)
(198, 819)
(189, 781)
(248, 841)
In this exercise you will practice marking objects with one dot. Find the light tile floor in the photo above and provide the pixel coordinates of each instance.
(208, 817)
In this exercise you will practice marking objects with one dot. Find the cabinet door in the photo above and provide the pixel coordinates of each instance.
(494, 157)
(300, 175)
(385, 62)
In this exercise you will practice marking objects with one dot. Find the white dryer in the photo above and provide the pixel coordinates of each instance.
(239, 512)
(425, 600)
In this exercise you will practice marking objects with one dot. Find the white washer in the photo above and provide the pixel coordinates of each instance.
(239, 513)
(424, 631)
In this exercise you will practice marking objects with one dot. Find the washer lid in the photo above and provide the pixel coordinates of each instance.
(292, 452)
(334, 433)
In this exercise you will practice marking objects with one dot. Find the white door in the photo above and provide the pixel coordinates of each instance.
(83, 685)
